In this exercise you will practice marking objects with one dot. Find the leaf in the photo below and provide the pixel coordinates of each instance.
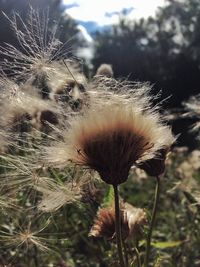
(109, 197)
(167, 244)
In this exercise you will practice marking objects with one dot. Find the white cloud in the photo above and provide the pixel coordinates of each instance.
(85, 34)
(86, 53)
(95, 10)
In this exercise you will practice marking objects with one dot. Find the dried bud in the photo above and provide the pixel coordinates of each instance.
(156, 165)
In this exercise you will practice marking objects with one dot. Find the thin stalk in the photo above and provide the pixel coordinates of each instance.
(138, 257)
(118, 226)
(125, 253)
(155, 206)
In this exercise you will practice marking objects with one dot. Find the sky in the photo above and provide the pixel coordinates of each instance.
(105, 12)
(93, 15)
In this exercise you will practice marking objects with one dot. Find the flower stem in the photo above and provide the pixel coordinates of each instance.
(125, 253)
(138, 257)
(155, 206)
(118, 226)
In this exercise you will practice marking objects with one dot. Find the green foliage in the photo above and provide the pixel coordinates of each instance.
(65, 232)
(167, 244)
(109, 197)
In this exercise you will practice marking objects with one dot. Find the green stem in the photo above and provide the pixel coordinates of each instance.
(155, 206)
(118, 226)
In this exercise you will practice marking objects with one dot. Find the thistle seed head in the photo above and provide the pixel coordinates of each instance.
(110, 141)
(132, 220)
(116, 131)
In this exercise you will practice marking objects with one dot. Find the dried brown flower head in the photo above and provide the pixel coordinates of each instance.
(117, 131)
(71, 94)
(105, 70)
(132, 219)
(26, 110)
(112, 140)
(104, 224)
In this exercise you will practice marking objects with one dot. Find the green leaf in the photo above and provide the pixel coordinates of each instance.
(167, 244)
(109, 197)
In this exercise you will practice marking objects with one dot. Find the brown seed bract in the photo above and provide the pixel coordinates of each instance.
(132, 221)
(104, 224)
(116, 131)
(113, 151)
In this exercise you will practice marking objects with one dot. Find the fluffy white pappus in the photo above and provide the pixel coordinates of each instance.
(39, 61)
(8, 87)
(22, 232)
(136, 219)
(119, 128)
(38, 45)
(105, 89)
(56, 195)
(133, 221)
(21, 171)
(131, 95)
(60, 82)
(66, 78)
(192, 107)
(25, 106)
(105, 70)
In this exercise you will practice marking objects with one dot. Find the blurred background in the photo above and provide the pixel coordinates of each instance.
(155, 40)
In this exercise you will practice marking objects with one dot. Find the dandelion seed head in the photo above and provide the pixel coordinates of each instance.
(19, 236)
(38, 42)
(39, 62)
